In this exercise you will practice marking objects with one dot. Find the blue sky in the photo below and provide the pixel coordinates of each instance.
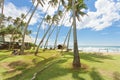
(100, 27)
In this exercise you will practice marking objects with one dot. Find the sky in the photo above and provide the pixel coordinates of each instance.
(101, 25)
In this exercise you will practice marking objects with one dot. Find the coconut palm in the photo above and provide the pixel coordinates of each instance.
(67, 47)
(25, 29)
(69, 31)
(51, 3)
(43, 37)
(55, 20)
(2, 6)
(58, 31)
(40, 27)
(2, 18)
(76, 9)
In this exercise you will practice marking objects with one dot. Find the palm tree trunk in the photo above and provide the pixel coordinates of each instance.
(29, 11)
(59, 28)
(2, 10)
(39, 28)
(49, 37)
(36, 52)
(23, 36)
(76, 59)
(2, 7)
(68, 39)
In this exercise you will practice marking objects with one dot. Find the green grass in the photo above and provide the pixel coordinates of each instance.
(22, 67)
(94, 66)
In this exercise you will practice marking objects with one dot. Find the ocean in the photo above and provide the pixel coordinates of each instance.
(98, 48)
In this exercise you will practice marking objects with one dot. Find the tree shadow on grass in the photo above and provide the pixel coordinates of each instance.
(57, 71)
(94, 57)
(15, 66)
(27, 73)
(95, 75)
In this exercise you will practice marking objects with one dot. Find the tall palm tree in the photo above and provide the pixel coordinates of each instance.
(77, 5)
(58, 31)
(68, 40)
(25, 29)
(76, 60)
(55, 21)
(51, 23)
(69, 31)
(40, 27)
(2, 18)
(45, 46)
(51, 3)
(2, 9)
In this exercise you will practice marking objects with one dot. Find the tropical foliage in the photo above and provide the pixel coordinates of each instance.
(18, 26)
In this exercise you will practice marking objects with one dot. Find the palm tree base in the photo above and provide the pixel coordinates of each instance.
(76, 65)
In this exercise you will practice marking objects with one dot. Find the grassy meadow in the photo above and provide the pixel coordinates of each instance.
(50, 65)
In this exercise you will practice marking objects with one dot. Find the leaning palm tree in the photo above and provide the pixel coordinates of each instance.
(67, 47)
(54, 4)
(58, 31)
(25, 29)
(40, 27)
(2, 6)
(55, 21)
(51, 23)
(51, 3)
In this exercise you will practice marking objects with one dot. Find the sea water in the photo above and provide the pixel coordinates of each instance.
(98, 48)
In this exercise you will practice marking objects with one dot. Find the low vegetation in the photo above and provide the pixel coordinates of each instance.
(50, 65)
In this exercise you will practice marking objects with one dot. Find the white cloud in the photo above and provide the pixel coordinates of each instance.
(51, 10)
(13, 11)
(107, 12)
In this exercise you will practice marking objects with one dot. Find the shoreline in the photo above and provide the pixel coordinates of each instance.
(103, 53)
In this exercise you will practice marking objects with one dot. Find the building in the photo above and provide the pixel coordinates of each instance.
(5, 41)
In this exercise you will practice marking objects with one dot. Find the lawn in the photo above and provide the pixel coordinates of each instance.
(50, 65)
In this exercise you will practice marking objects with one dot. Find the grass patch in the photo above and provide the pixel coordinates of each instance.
(94, 66)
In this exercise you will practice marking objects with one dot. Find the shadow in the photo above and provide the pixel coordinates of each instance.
(76, 76)
(116, 76)
(27, 73)
(95, 75)
(16, 66)
(94, 57)
(56, 71)
(61, 68)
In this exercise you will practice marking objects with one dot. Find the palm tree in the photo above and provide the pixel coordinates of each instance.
(2, 18)
(25, 29)
(2, 5)
(54, 21)
(51, 3)
(43, 37)
(59, 28)
(76, 9)
(45, 46)
(69, 31)
(68, 40)
(40, 27)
